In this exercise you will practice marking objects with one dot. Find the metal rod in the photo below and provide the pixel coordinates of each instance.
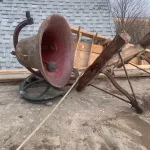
(139, 68)
(132, 100)
(110, 93)
(127, 75)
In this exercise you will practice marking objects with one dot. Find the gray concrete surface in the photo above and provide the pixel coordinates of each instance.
(90, 120)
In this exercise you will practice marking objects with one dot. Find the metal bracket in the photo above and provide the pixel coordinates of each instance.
(28, 21)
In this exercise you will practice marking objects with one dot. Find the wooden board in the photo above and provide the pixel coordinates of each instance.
(82, 59)
(97, 49)
(14, 71)
(87, 46)
(19, 75)
(135, 61)
(93, 58)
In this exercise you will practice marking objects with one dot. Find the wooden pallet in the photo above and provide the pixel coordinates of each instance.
(86, 53)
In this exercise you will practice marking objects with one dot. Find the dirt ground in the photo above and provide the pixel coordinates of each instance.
(90, 120)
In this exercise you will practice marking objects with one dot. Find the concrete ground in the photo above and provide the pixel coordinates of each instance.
(90, 120)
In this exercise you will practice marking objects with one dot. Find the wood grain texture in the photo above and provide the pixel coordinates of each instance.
(88, 34)
(104, 57)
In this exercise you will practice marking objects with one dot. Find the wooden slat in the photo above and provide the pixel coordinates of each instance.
(135, 61)
(79, 35)
(20, 74)
(88, 34)
(86, 47)
(22, 71)
(95, 51)
(83, 54)
(93, 41)
(83, 58)
(119, 73)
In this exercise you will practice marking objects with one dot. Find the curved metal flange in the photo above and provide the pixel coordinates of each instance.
(117, 86)
(31, 80)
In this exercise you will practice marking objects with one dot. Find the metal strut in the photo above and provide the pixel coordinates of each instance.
(127, 75)
(110, 93)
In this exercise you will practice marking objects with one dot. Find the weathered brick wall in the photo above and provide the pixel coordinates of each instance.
(92, 15)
